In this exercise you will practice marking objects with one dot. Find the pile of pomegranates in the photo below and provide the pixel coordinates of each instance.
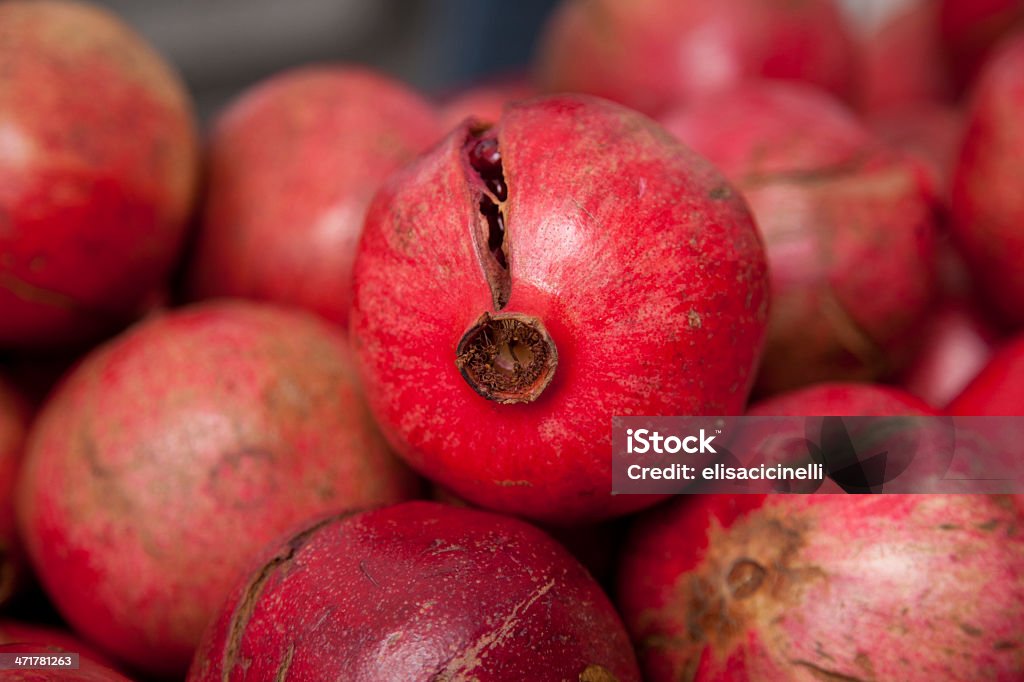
(332, 391)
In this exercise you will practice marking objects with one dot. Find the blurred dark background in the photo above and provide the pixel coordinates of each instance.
(222, 46)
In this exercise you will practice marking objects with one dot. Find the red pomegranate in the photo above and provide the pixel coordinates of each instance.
(523, 283)
(170, 456)
(848, 226)
(418, 591)
(815, 587)
(294, 163)
(654, 54)
(988, 206)
(98, 168)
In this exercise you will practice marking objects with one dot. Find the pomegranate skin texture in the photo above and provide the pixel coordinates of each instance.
(988, 205)
(813, 587)
(654, 54)
(293, 164)
(171, 455)
(849, 228)
(418, 591)
(594, 267)
(91, 218)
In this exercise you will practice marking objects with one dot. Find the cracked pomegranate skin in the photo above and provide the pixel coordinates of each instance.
(849, 228)
(628, 257)
(91, 218)
(988, 205)
(655, 54)
(805, 588)
(418, 591)
(293, 164)
(172, 455)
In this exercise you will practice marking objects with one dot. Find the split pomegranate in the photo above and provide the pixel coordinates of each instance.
(293, 164)
(849, 228)
(170, 456)
(815, 587)
(653, 54)
(988, 206)
(522, 284)
(98, 170)
(418, 591)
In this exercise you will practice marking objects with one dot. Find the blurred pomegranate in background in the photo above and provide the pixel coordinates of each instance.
(970, 30)
(98, 171)
(171, 455)
(294, 163)
(849, 228)
(988, 204)
(900, 54)
(929, 132)
(653, 54)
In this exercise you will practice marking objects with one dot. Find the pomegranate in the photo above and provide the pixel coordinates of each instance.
(848, 226)
(970, 29)
(930, 133)
(91, 217)
(88, 670)
(900, 54)
(816, 587)
(418, 591)
(523, 283)
(652, 54)
(988, 206)
(172, 454)
(14, 420)
(293, 164)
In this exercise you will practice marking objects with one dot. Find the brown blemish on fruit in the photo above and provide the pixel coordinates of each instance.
(597, 673)
(751, 574)
(508, 358)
